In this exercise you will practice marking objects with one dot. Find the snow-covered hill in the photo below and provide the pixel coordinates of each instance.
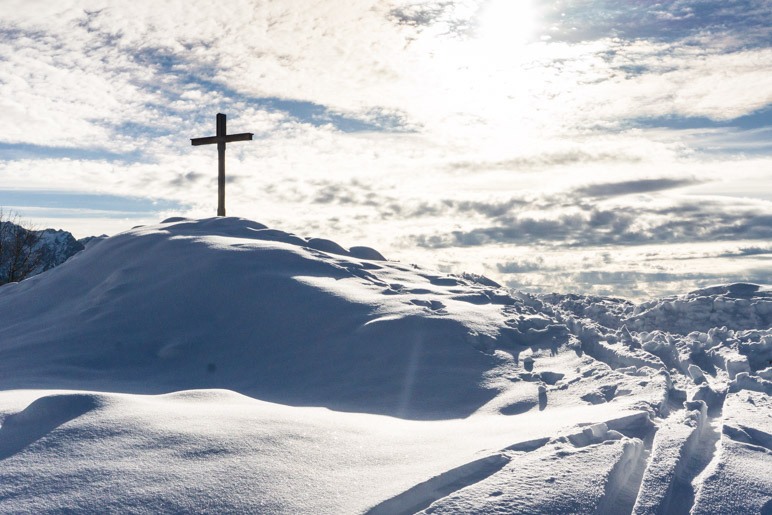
(57, 246)
(218, 365)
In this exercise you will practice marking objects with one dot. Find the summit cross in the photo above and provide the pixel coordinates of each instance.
(221, 139)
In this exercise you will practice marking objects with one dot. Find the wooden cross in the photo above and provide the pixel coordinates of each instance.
(221, 139)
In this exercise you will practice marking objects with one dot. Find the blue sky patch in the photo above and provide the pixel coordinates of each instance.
(12, 151)
(756, 120)
(86, 201)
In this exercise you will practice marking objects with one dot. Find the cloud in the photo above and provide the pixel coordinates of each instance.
(453, 208)
(186, 179)
(749, 251)
(633, 187)
(681, 79)
(149, 66)
(87, 78)
(690, 221)
(404, 121)
(521, 266)
(453, 17)
(579, 21)
(546, 160)
(730, 141)
(354, 193)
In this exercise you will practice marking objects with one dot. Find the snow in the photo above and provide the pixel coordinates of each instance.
(221, 366)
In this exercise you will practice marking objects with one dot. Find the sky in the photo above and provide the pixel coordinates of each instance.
(598, 147)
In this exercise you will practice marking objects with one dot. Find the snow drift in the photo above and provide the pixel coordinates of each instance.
(219, 365)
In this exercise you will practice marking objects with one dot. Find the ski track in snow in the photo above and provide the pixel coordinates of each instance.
(454, 394)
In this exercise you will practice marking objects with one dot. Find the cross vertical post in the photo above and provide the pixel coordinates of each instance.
(221, 165)
(222, 137)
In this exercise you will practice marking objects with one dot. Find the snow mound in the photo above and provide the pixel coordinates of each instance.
(220, 365)
(229, 303)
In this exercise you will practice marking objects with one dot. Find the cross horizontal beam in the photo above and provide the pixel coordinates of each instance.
(244, 136)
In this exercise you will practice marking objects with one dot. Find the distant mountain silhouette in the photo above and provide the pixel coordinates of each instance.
(53, 246)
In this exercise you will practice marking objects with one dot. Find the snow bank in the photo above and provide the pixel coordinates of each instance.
(736, 306)
(228, 303)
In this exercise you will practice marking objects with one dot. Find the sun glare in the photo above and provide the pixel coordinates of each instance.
(489, 79)
(507, 23)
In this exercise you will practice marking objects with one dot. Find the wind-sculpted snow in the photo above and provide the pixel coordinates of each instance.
(218, 366)
(735, 306)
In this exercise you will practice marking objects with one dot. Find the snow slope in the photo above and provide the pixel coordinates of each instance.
(218, 365)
